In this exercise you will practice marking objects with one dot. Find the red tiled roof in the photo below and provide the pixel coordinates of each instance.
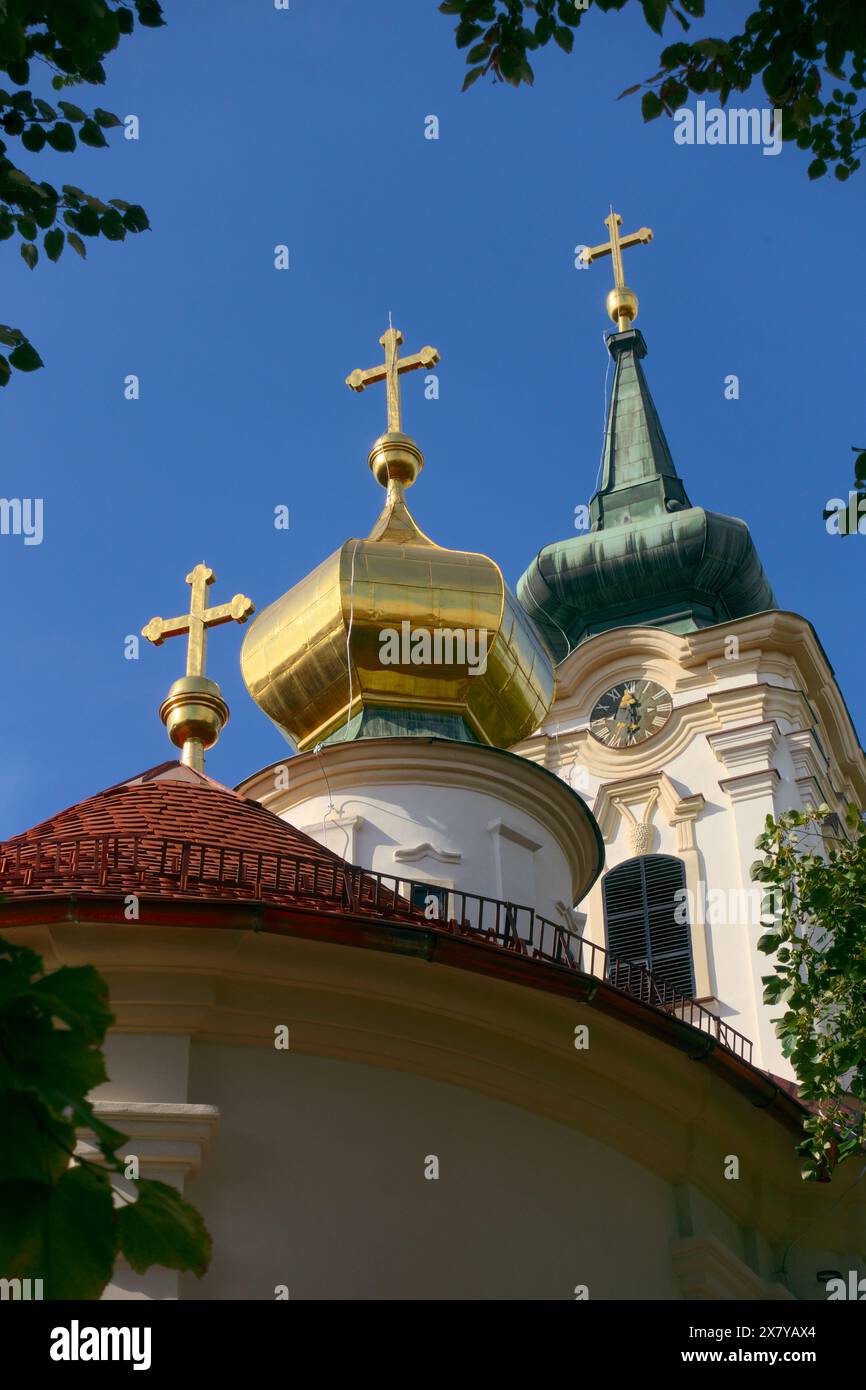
(178, 833)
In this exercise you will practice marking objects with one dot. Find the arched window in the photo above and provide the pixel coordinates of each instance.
(647, 923)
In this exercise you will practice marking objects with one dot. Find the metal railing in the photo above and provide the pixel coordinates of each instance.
(133, 862)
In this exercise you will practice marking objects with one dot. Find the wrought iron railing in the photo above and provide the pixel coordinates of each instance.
(143, 863)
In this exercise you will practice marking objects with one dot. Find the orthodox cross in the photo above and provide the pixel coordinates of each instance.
(197, 621)
(390, 372)
(614, 248)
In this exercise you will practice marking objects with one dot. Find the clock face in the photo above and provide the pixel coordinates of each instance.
(630, 713)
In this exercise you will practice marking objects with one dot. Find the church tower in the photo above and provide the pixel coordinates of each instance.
(402, 672)
(688, 708)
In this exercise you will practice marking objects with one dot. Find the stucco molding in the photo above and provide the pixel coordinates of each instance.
(620, 799)
(780, 672)
(750, 748)
(163, 1136)
(411, 854)
(509, 832)
(706, 1269)
(753, 786)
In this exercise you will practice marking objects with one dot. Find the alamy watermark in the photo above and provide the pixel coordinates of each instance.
(22, 516)
(732, 125)
(439, 646)
(843, 518)
(724, 907)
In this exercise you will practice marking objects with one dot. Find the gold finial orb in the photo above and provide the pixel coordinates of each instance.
(395, 458)
(622, 302)
(194, 713)
(622, 306)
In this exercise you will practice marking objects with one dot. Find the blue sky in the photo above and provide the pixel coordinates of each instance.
(306, 127)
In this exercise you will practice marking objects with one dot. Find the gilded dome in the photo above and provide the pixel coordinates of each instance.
(395, 633)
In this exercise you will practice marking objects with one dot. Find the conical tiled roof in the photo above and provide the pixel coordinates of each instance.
(173, 832)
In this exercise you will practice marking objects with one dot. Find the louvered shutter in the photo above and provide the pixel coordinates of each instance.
(640, 909)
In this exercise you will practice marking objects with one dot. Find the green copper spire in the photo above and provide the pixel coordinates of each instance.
(638, 475)
(650, 558)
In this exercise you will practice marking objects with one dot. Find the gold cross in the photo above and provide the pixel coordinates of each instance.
(619, 300)
(390, 372)
(197, 621)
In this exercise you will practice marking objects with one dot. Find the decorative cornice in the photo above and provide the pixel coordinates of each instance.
(160, 1135)
(752, 786)
(510, 832)
(419, 762)
(706, 1269)
(776, 646)
(332, 823)
(748, 749)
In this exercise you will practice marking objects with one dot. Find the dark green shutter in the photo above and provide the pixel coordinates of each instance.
(640, 910)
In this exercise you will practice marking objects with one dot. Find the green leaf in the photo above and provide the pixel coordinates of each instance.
(471, 77)
(564, 37)
(78, 995)
(675, 55)
(5, 371)
(11, 337)
(111, 225)
(77, 244)
(46, 112)
(65, 1235)
(161, 1228)
(27, 228)
(650, 106)
(86, 221)
(654, 13)
(61, 137)
(72, 112)
(106, 118)
(30, 253)
(35, 1145)
(53, 243)
(25, 358)
(33, 138)
(768, 943)
(58, 1065)
(135, 219)
(90, 134)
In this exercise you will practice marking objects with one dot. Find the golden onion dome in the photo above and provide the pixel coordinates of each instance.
(397, 634)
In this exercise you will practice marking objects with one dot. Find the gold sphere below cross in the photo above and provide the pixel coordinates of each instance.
(622, 305)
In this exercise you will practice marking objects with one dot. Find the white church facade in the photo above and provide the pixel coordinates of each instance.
(462, 999)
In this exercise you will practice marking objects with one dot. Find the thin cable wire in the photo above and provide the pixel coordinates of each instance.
(349, 630)
(605, 415)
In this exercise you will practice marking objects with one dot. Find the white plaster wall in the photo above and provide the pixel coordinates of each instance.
(317, 1182)
(478, 842)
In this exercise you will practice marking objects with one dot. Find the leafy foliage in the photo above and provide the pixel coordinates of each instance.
(58, 1220)
(859, 489)
(814, 883)
(67, 39)
(793, 45)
